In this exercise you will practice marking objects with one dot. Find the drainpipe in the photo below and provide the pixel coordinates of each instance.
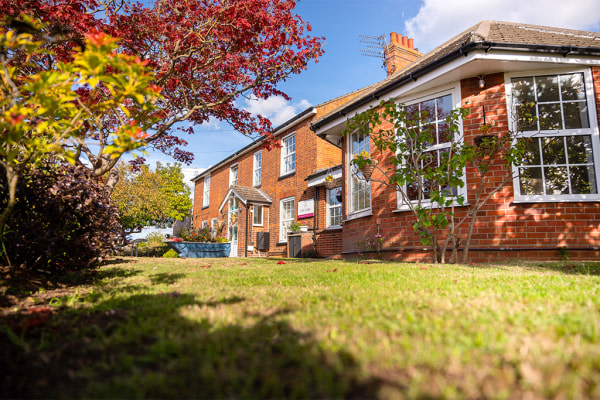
(246, 248)
(315, 219)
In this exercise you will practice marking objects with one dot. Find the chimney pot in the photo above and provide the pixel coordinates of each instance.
(411, 43)
(393, 37)
(405, 41)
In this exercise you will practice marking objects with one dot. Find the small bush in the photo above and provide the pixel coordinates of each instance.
(171, 254)
(63, 220)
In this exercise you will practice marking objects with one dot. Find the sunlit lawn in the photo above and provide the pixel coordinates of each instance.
(239, 328)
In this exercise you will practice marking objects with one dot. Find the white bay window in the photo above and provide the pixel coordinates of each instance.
(551, 115)
(360, 188)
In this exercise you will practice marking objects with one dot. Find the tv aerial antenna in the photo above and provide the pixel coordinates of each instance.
(375, 47)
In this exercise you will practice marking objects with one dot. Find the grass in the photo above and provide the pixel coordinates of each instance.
(242, 328)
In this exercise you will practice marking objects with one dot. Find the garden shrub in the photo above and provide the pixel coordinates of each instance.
(63, 220)
(171, 254)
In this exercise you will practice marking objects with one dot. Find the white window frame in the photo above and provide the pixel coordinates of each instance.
(233, 177)
(453, 91)
(256, 207)
(591, 131)
(330, 207)
(284, 224)
(285, 155)
(257, 168)
(206, 192)
(204, 224)
(352, 214)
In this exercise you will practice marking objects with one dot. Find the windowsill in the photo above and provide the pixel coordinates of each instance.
(554, 200)
(280, 243)
(204, 207)
(256, 186)
(360, 214)
(286, 175)
(333, 228)
(259, 225)
(407, 208)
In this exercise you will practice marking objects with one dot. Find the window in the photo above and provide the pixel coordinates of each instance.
(360, 188)
(286, 217)
(560, 141)
(204, 224)
(233, 175)
(206, 194)
(288, 155)
(257, 218)
(257, 168)
(213, 227)
(430, 114)
(334, 207)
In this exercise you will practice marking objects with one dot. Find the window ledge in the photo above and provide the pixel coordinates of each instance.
(555, 200)
(360, 214)
(281, 243)
(406, 208)
(332, 228)
(204, 207)
(286, 175)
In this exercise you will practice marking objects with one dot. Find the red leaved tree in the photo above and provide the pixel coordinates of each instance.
(206, 55)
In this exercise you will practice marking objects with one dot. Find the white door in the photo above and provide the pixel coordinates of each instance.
(233, 226)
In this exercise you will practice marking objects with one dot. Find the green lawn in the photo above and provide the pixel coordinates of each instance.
(242, 328)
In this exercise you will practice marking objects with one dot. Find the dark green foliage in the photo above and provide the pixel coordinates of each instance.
(63, 220)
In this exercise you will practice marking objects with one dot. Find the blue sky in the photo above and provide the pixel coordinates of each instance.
(343, 68)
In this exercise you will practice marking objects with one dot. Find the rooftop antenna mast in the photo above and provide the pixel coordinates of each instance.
(375, 47)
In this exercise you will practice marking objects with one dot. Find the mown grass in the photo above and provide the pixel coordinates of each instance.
(241, 328)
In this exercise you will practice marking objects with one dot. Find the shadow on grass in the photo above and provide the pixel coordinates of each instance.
(165, 278)
(172, 346)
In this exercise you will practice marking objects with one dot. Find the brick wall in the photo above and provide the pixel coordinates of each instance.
(503, 229)
(311, 152)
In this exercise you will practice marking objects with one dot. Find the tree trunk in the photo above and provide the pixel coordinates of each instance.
(12, 178)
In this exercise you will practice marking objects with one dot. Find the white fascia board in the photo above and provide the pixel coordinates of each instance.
(493, 61)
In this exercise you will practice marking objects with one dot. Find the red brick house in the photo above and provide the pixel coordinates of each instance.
(552, 205)
(258, 193)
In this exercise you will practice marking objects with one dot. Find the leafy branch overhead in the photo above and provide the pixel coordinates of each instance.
(205, 55)
(41, 114)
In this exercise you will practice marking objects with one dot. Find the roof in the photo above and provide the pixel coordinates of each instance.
(247, 195)
(483, 36)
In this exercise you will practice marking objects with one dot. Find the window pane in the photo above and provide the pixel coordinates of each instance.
(444, 135)
(523, 90)
(532, 151)
(526, 118)
(572, 87)
(553, 150)
(557, 180)
(444, 106)
(549, 116)
(580, 149)
(531, 181)
(576, 116)
(428, 110)
(547, 88)
(583, 180)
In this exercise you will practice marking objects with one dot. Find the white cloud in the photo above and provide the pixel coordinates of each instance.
(440, 20)
(275, 108)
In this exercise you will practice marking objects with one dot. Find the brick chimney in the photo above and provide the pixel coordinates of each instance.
(400, 53)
